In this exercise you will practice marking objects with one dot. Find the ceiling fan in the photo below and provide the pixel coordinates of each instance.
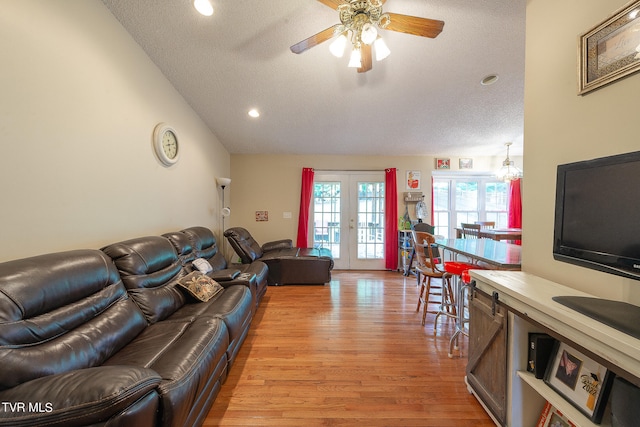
(359, 19)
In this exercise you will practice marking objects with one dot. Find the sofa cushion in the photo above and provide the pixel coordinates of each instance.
(61, 312)
(150, 268)
(187, 351)
(199, 286)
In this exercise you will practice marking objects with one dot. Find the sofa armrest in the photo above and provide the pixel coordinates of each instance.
(224, 275)
(76, 398)
(277, 244)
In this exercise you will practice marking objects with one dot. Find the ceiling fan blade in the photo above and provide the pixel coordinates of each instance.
(315, 40)
(413, 25)
(333, 4)
(365, 58)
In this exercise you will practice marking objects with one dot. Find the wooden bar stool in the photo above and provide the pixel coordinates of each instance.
(427, 269)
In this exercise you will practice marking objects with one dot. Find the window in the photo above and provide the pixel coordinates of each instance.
(459, 198)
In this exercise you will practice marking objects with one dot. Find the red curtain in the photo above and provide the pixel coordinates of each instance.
(515, 205)
(390, 220)
(305, 203)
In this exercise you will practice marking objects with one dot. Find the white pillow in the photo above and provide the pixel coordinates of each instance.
(202, 265)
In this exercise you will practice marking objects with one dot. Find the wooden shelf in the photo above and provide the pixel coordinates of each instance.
(576, 417)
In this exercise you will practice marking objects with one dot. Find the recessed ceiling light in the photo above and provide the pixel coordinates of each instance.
(254, 113)
(489, 80)
(204, 7)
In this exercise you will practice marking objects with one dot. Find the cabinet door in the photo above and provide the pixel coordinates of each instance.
(487, 365)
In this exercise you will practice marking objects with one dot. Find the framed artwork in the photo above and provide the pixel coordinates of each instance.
(580, 380)
(262, 216)
(413, 180)
(610, 50)
(443, 164)
(465, 163)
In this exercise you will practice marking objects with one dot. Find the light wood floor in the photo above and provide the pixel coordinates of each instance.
(351, 352)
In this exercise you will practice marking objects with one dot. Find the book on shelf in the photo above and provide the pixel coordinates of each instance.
(552, 417)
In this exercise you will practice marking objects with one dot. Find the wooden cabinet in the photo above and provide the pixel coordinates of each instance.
(505, 308)
(487, 366)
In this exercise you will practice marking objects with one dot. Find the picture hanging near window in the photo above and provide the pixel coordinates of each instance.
(466, 163)
(413, 180)
(443, 164)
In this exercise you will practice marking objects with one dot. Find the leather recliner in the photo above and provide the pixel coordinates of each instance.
(288, 265)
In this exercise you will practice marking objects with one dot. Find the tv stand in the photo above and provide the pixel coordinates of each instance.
(525, 303)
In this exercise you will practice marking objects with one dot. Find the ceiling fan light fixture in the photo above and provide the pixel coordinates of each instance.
(382, 50)
(369, 34)
(203, 7)
(338, 46)
(355, 61)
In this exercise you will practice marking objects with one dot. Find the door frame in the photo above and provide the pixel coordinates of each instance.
(348, 184)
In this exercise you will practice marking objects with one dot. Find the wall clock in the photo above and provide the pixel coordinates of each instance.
(165, 144)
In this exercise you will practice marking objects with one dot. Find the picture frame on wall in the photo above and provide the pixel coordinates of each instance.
(443, 164)
(413, 180)
(465, 163)
(582, 381)
(610, 50)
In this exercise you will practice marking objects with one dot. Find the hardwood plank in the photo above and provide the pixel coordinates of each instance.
(352, 352)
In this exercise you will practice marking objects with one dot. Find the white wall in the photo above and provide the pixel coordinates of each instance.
(562, 127)
(79, 101)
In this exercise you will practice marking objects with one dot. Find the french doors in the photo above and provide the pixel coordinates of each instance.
(348, 218)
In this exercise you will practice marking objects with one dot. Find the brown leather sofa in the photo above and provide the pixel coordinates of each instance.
(199, 242)
(287, 264)
(105, 338)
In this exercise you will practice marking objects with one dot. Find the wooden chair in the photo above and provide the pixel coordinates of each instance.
(427, 269)
(486, 224)
(470, 231)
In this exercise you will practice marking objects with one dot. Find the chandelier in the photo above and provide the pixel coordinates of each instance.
(509, 171)
(359, 21)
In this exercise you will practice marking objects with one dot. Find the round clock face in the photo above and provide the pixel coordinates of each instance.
(170, 144)
(166, 145)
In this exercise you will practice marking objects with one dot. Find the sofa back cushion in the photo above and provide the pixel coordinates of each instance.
(61, 312)
(243, 243)
(149, 268)
(183, 246)
(205, 246)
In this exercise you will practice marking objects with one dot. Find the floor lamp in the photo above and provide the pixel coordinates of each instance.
(225, 211)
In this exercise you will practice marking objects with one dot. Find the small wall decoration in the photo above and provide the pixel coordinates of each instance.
(580, 380)
(262, 216)
(610, 50)
(413, 180)
(466, 163)
(443, 164)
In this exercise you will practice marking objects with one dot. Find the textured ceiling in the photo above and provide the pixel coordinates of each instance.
(424, 99)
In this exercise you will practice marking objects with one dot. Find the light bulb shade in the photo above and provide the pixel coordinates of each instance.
(223, 182)
(356, 59)
(203, 7)
(382, 51)
(226, 212)
(509, 171)
(338, 46)
(369, 34)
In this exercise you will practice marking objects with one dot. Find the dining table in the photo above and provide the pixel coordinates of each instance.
(497, 254)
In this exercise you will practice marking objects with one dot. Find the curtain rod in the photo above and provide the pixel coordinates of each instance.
(349, 170)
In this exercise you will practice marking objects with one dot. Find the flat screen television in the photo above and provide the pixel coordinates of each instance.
(597, 218)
